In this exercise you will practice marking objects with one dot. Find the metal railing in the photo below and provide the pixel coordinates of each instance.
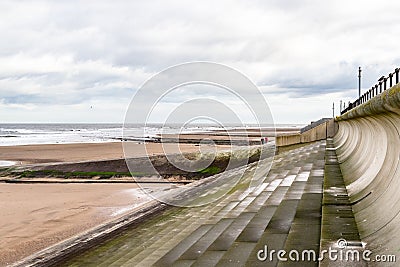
(383, 84)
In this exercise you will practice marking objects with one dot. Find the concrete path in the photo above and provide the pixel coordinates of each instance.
(284, 212)
(339, 229)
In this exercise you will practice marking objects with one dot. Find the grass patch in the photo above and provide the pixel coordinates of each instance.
(211, 170)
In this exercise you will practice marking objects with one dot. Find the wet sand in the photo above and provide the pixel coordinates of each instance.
(33, 217)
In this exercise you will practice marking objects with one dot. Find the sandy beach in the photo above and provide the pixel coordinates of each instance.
(33, 217)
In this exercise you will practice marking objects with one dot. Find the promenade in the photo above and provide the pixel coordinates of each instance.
(284, 212)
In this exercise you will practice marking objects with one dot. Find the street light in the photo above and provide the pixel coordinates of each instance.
(359, 82)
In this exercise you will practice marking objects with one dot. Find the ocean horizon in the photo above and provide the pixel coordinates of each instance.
(13, 134)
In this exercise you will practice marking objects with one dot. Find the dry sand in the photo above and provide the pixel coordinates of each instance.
(35, 216)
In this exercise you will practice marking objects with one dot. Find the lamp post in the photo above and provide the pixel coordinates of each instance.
(359, 82)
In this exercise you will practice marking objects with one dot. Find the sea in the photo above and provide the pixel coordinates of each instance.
(63, 133)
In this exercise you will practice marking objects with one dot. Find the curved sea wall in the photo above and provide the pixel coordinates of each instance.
(368, 148)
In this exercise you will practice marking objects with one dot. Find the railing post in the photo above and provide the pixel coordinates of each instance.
(380, 80)
(376, 88)
(397, 75)
(390, 79)
(384, 83)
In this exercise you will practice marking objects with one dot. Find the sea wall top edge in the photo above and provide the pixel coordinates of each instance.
(386, 102)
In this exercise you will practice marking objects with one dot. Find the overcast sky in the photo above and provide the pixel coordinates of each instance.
(71, 61)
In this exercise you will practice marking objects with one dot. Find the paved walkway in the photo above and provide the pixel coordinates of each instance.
(284, 212)
(339, 229)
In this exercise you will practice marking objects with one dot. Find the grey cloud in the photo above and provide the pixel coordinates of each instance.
(305, 48)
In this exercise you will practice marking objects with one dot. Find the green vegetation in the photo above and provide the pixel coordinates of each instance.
(219, 162)
(4, 169)
(3, 172)
(211, 170)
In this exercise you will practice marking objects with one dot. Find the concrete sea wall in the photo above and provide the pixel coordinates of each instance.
(320, 132)
(368, 148)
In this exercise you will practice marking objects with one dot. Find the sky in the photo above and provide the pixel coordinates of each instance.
(83, 61)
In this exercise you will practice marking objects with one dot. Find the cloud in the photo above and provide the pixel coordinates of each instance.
(74, 53)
